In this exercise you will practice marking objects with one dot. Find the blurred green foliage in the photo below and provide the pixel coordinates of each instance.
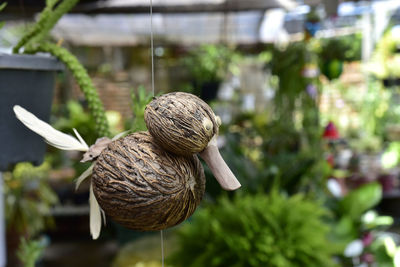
(140, 99)
(332, 52)
(354, 219)
(386, 251)
(375, 109)
(295, 103)
(72, 115)
(208, 64)
(251, 176)
(287, 142)
(256, 230)
(282, 147)
(385, 62)
(343, 48)
(358, 201)
(347, 221)
(263, 155)
(391, 155)
(374, 117)
(28, 198)
(30, 251)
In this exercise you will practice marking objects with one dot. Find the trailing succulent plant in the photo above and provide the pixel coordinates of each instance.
(34, 42)
(82, 78)
(47, 19)
(146, 181)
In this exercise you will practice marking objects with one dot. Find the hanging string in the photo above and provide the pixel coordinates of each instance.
(152, 46)
(162, 247)
(152, 89)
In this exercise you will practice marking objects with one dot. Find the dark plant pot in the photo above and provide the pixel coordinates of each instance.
(390, 82)
(209, 90)
(390, 203)
(28, 81)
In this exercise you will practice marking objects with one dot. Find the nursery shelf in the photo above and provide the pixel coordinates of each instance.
(70, 210)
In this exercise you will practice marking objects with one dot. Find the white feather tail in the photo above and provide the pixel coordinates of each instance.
(52, 136)
(95, 215)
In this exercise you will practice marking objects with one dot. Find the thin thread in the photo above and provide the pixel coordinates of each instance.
(152, 89)
(152, 46)
(22, 7)
(162, 248)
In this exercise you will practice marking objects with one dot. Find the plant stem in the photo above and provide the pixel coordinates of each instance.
(43, 17)
(63, 8)
(47, 19)
(85, 83)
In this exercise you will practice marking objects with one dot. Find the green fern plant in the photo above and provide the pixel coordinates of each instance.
(34, 41)
(256, 230)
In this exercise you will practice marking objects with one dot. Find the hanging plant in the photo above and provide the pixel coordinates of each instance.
(208, 66)
(333, 52)
(34, 41)
(28, 80)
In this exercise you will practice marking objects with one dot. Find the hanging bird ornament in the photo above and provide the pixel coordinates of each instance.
(151, 180)
(184, 124)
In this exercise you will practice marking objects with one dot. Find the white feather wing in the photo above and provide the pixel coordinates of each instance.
(52, 136)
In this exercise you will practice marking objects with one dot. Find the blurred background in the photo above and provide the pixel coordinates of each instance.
(308, 92)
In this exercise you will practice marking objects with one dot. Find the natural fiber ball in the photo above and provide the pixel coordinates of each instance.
(181, 123)
(143, 187)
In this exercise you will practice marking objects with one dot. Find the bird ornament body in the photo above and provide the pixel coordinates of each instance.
(148, 180)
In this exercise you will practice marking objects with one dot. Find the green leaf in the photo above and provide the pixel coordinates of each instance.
(140, 99)
(362, 199)
(2, 6)
(391, 156)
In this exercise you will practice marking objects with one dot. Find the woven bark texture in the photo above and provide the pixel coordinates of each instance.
(178, 122)
(145, 188)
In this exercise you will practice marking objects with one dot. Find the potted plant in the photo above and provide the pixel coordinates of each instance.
(208, 65)
(28, 80)
(335, 51)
